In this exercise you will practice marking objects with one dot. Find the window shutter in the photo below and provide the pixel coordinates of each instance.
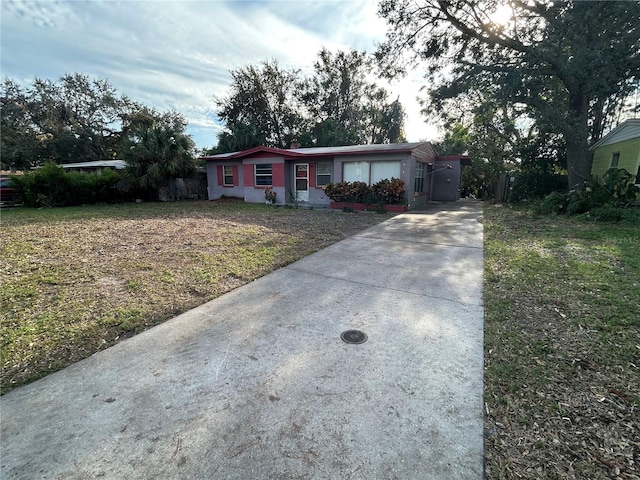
(220, 178)
(247, 172)
(236, 179)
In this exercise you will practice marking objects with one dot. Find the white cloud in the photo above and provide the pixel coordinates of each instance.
(177, 54)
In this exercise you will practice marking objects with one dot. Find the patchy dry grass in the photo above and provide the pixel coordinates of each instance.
(77, 280)
(562, 347)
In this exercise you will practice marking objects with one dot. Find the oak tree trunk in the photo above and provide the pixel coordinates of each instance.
(576, 137)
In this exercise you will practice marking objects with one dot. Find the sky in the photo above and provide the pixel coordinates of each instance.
(177, 55)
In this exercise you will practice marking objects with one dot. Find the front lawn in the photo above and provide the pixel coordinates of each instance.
(562, 347)
(77, 280)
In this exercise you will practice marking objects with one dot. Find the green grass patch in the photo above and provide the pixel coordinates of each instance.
(562, 344)
(76, 280)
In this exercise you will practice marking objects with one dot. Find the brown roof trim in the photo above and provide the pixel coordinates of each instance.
(315, 152)
(245, 153)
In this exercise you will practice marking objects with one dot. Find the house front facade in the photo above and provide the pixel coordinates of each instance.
(298, 175)
(620, 148)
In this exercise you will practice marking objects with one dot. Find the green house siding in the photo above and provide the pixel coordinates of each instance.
(629, 157)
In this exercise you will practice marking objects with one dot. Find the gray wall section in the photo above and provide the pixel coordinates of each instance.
(216, 191)
(318, 197)
(446, 182)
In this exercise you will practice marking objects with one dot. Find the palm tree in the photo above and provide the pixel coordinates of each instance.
(158, 153)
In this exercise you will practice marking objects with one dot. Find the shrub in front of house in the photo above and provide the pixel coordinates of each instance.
(360, 192)
(532, 185)
(338, 192)
(389, 191)
(386, 192)
(270, 195)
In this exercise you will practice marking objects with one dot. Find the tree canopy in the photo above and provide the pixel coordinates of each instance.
(261, 108)
(569, 67)
(158, 150)
(75, 119)
(337, 105)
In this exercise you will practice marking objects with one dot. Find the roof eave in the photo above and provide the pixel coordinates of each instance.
(251, 151)
(300, 153)
(617, 128)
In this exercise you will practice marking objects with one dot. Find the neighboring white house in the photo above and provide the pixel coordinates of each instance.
(93, 165)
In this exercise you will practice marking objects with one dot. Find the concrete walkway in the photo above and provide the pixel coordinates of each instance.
(258, 384)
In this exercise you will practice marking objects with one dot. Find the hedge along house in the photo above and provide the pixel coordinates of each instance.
(298, 174)
(620, 148)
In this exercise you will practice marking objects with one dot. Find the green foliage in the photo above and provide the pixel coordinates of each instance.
(360, 192)
(563, 68)
(72, 119)
(496, 146)
(52, 186)
(356, 192)
(535, 184)
(607, 214)
(269, 194)
(389, 191)
(613, 190)
(541, 169)
(158, 152)
(337, 191)
(555, 202)
(261, 108)
(386, 192)
(18, 142)
(337, 105)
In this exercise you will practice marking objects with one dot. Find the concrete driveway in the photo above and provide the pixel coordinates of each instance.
(259, 384)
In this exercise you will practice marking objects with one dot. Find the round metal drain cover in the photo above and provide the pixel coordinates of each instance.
(353, 336)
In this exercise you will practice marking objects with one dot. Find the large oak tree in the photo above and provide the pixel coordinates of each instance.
(572, 64)
(72, 119)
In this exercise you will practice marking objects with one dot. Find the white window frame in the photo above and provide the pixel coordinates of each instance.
(329, 173)
(367, 168)
(418, 183)
(227, 171)
(361, 168)
(263, 174)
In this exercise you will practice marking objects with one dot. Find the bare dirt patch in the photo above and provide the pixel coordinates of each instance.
(75, 281)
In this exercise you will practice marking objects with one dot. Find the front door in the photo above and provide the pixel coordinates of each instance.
(302, 182)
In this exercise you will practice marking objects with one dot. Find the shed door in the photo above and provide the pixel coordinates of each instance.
(302, 182)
